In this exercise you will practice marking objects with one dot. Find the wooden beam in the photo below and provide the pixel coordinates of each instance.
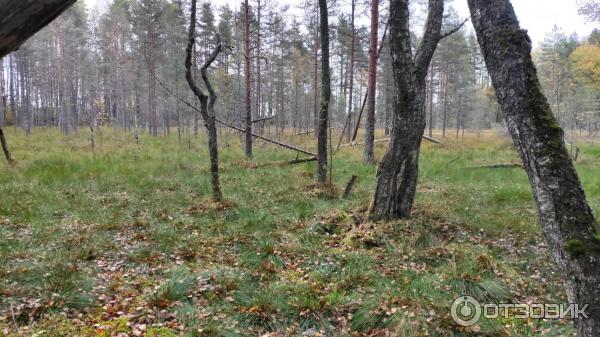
(20, 19)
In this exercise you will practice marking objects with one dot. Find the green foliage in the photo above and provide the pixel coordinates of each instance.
(178, 285)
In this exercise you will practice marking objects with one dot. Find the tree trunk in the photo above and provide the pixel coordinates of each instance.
(206, 102)
(397, 173)
(258, 112)
(567, 221)
(369, 150)
(23, 18)
(325, 96)
(248, 81)
(350, 69)
(5, 147)
(315, 74)
(430, 103)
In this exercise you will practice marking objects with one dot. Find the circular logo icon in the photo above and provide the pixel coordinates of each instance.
(466, 311)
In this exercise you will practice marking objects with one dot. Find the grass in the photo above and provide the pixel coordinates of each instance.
(126, 239)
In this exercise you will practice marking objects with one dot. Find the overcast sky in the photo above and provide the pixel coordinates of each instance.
(537, 16)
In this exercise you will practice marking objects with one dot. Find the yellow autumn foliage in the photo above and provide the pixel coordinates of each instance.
(586, 61)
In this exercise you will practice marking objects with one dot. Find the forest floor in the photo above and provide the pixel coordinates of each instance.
(124, 241)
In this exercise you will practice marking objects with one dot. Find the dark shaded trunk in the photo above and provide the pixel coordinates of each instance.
(5, 147)
(325, 96)
(206, 102)
(248, 121)
(567, 221)
(23, 18)
(369, 150)
(397, 173)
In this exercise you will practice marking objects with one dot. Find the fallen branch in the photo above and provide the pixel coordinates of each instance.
(287, 146)
(498, 165)
(433, 140)
(264, 119)
(283, 163)
(313, 131)
(383, 140)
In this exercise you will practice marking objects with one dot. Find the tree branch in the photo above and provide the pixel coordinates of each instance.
(188, 57)
(453, 30)
(203, 71)
(431, 37)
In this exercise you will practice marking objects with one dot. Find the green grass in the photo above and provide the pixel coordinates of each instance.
(89, 239)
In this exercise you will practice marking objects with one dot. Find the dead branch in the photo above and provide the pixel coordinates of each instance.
(264, 119)
(383, 140)
(231, 126)
(497, 165)
(284, 163)
(453, 30)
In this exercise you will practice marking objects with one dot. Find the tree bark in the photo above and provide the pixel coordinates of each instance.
(325, 95)
(369, 149)
(206, 102)
(567, 221)
(5, 147)
(23, 18)
(398, 170)
(248, 116)
(350, 69)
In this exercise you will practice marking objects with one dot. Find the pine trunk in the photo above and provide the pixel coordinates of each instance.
(325, 96)
(248, 81)
(369, 150)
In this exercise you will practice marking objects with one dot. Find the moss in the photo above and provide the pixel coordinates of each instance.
(578, 248)
(161, 332)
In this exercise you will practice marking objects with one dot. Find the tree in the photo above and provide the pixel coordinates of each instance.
(247, 75)
(398, 170)
(590, 9)
(369, 150)
(567, 221)
(351, 70)
(323, 126)
(207, 103)
(586, 60)
(150, 27)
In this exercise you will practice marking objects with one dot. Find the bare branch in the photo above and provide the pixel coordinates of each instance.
(453, 30)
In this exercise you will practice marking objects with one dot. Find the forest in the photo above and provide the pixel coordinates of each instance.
(297, 168)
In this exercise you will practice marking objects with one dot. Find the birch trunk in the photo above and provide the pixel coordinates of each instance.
(567, 221)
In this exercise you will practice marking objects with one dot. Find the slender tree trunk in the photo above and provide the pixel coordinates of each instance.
(351, 72)
(397, 173)
(431, 92)
(206, 102)
(445, 107)
(5, 147)
(369, 150)
(258, 111)
(325, 95)
(567, 221)
(248, 81)
(315, 74)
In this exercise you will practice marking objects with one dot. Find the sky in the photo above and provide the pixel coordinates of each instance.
(537, 16)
